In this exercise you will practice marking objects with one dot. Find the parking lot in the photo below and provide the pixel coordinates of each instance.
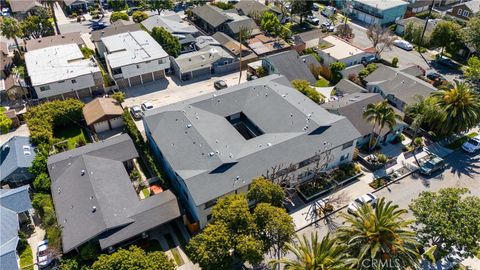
(171, 90)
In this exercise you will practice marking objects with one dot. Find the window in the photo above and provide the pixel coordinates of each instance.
(459, 12)
(117, 71)
(209, 217)
(74, 81)
(160, 61)
(138, 66)
(305, 163)
(347, 145)
(344, 157)
(44, 88)
(465, 13)
(210, 203)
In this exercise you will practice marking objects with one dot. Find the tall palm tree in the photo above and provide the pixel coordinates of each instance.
(379, 115)
(381, 234)
(312, 254)
(244, 34)
(10, 28)
(459, 107)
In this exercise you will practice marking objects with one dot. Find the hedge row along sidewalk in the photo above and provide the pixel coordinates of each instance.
(144, 148)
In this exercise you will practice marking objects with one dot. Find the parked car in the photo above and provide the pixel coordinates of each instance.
(5, 12)
(313, 20)
(44, 258)
(132, 10)
(368, 59)
(136, 112)
(472, 145)
(98, 25)
(220, 84)
(328, 26)
(403, 44)
(147, 106)
(435, 163)
(368, 198)
(447, 62)
(436, 77)
(328, 11)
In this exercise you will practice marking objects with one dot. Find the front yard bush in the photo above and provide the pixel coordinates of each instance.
(26, 259)
(379, 182)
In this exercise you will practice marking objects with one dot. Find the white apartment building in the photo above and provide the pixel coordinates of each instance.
(60, 72)
(342, 51)
(134, 58)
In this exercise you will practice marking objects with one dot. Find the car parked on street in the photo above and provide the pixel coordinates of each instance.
(328, 11)
(147, 106)
(44, 257)
(472, 145)
(403, 44)
(98, 25)
(136, 112)
(328, 26)
(313, 20)
(436, 77)
(368, 198)
(447, 62)
(220, 84)
(434, 164)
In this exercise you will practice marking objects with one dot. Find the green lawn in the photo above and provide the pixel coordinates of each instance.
(72, 134)
(458, 142)
(26, 259)
(322, 83)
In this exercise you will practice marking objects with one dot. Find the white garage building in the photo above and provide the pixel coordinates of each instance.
(103, 114)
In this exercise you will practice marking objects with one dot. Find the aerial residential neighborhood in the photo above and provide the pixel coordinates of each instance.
(240, 134)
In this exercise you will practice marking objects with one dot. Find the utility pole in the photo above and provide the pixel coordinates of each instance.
(426, 22)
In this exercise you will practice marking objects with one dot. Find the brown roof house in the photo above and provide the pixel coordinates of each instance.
(464, 11)
(103, 114)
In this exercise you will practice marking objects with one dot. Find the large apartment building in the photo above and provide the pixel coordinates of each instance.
(214, 145)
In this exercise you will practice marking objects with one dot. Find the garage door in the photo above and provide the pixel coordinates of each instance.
(135, 80)
(116, 122)
(101, 126)
(122, 83)
(147, 77)
(159, 74)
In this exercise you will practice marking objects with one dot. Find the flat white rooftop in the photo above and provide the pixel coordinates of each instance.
(57, 63)
(132, 48)
(340, 49)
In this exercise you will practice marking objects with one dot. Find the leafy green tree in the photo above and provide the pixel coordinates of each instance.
(265, 191)
(223, 5)
(472, 70)
(118, 15)
(285, 31)
(87, 52)
(270, 23)
(89, 251)
(448, 219)
(5, 123)
(160, 5)
(379, 115)
(69, 264)
(133, 258)
(302, 8)
(275, 227)
(445, 34)
(233, 211)
(382, 234)
(168, 42)
(39, 163)
(10, 28)
(139, 16)
(471, 33)
(38, 25)
(211, 248)
(42, 183)
(244, 34)
(119, 96)
(305, 88)
(315, 254)
(458, 109)
(117, 5)
(249, 249)
(335, 68)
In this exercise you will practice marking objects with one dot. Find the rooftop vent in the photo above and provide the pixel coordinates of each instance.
(82, 172)
(94, 209)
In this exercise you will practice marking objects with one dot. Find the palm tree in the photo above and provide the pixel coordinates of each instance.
(379, 115)
(312, 254)
(381, 234)
(459, 107)
(244, 34)
(10, 28)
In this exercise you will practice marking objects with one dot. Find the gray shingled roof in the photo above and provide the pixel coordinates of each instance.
(195, 137)
(93, 176)
(352, 107)
(117, 27)
(211, 14)
(201, 59)
(399, 84)
(346, 87)
(15, 153)
(248, 7)
(247, 23)
(12, 202)
(290, 65)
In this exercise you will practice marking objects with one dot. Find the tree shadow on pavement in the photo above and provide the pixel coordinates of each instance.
(463, 164)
